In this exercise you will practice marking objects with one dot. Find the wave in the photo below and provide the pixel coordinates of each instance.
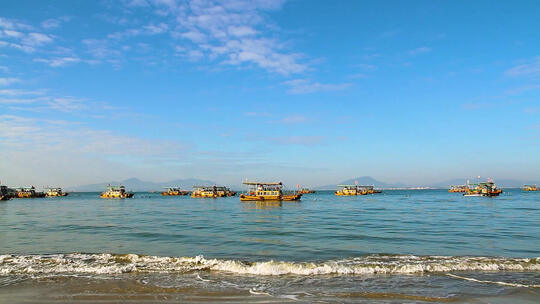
(80, 263)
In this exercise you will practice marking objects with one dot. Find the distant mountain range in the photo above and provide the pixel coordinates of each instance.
(368, 180)
(135, 184)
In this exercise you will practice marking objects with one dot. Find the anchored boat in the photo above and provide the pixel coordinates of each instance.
(258, 191)
(174, 191)
(306, 191)
(530, 188)
(116, 192)
(28, 192)
(458, 188)
(4, 193)
(53, 192)
(211, 191)
(350, 190)
(483, 189)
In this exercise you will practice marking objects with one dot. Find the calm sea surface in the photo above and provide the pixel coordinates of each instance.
(375, 248)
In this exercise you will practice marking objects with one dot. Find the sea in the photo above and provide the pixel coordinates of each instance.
(400, 246)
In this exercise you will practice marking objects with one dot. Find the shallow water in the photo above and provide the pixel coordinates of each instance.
(398, 246)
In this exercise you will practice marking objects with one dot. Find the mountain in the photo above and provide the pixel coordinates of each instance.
(135, 184)
(364, 180)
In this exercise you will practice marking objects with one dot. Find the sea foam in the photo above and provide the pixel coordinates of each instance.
(80, 263)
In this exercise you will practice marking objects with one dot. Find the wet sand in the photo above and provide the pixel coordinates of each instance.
(89, 290)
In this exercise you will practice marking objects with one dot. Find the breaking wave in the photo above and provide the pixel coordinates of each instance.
(80, 263)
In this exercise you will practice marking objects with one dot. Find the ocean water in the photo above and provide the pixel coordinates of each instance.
(395, 247)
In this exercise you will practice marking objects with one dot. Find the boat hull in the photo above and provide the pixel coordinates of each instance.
(125, 195)
(56, 195)
(5, 197)
(257, 198)
(181, 193)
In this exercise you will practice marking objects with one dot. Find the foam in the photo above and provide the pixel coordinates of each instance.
(80, 263)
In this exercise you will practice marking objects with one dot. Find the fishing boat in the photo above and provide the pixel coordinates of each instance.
(530, 188)
(116, 192)
(350, 190)
(483, 189)
(174, 191)
(458, 188)
(211, 191)
(53, 192)
(369, 189)
(28, 192)
(4, 193)
(306, 191)
(259, 191)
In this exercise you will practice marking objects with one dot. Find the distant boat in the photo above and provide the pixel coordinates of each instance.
(259, 191)
(306, 191)
(458, 188)
(211, 191)
(483, 189)
(174, 191)
(530, 188)
(353, 190)
(4, 193)
(116, 192)
(28, 192)
(53, 192)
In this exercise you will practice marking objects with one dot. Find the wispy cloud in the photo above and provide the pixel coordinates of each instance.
(54, 22)
(419, 50)
(298, 140)
(293, 119)
(5, 81)
(58, 62)
(305, 86)
(530, 68)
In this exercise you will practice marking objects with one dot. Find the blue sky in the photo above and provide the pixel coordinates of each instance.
(309, 92)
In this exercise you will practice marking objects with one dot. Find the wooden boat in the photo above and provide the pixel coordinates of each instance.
(211, 191)
(530, 188)
(174, 191)
(458, 188)
(53, 192)
(116, 192)
(306, 191)
(350, 190)
(258, 191)
(28, 192)
(483, 189)
(4, 193)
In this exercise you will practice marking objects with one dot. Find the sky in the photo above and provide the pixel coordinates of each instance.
(307, 92)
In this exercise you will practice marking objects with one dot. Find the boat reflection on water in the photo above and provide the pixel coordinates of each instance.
(263, 205)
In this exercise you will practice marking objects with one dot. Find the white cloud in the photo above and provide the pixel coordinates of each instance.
(58, 62)
(5, 81)
(232, 32)
(420, 50)
(305, 86)
(530, 68)
(37, 39)
(293, 119)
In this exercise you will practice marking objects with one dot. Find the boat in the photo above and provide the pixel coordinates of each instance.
(211, 191)
(273, 191)
(306, 191)
(28, 192)
(4, 193)
(530, 188)
(483, 189)
(53, 192)
(351, 190)
(458, 188)
(116, 192)
(174, 191)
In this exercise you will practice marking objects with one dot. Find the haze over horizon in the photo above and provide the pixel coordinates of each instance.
(306, 92)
